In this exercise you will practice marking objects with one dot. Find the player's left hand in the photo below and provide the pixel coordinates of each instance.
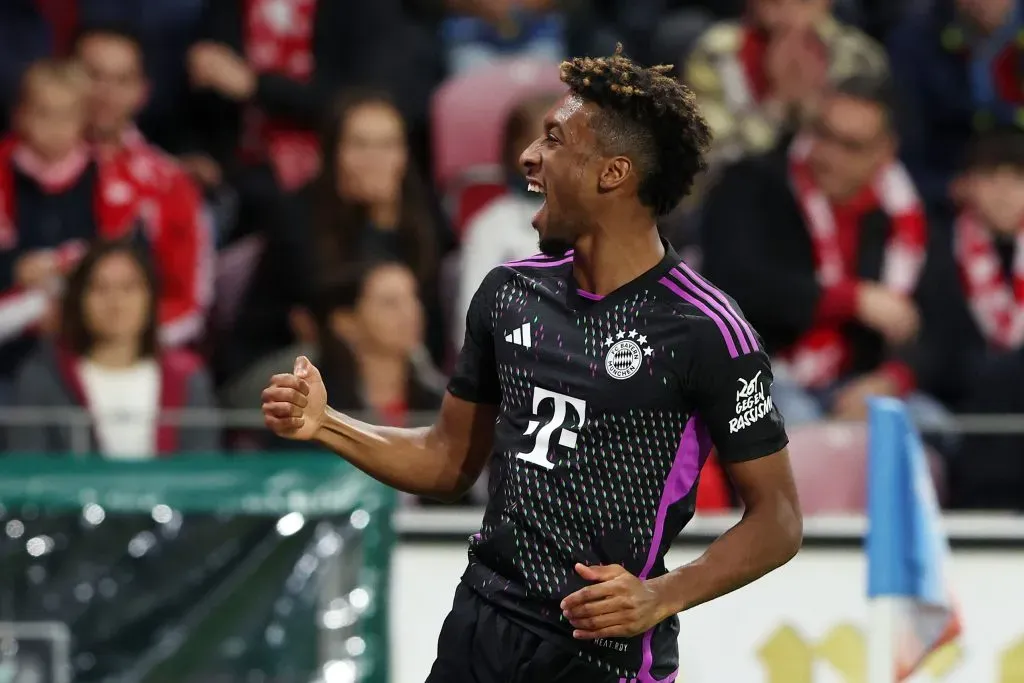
(618, 605)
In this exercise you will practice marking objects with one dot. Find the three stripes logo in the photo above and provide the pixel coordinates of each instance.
(520, 336)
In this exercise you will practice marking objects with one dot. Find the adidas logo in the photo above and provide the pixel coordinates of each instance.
(520, 336)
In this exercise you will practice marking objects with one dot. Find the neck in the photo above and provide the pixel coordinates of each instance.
(385, 215)
(840, 198)
(115, 354)
(384, 378)
(108, 141)
(31, 158)
(618, 252)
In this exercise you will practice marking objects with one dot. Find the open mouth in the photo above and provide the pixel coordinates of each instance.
(534, 186)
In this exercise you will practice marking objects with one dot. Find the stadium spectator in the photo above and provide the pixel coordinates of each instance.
(55, 197)
(144, 186)
(39, 29)
(757, 78)
(503, 230)
(975, 281)
(976, 328)
(957, 65)
(365, 330)
(368, 204)
(46, 200)
(821, 242)
(265, 73)
(371, 330)
(109, 362)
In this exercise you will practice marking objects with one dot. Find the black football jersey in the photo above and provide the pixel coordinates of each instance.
(608, 409)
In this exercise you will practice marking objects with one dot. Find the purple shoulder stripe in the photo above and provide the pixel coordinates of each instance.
(730, 343)
(703, 289)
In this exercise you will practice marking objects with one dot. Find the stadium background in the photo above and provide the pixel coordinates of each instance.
(217, 554)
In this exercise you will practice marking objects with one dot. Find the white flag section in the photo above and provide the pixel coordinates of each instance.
(911, 610)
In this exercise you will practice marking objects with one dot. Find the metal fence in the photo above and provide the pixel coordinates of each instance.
(80, 421)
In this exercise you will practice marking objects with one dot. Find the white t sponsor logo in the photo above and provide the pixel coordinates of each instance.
(544, 431)
(752, 403)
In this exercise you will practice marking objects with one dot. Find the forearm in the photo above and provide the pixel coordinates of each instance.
(416, 461)
(745, 553)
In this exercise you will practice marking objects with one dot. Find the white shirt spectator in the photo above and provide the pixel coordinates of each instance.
(501, 232)
(125, 403)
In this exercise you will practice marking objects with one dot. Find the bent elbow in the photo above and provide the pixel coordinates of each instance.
(451, 491)
(446, 497)
(791, 531)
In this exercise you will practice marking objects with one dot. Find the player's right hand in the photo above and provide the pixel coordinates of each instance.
(295, 403)
(889, 313)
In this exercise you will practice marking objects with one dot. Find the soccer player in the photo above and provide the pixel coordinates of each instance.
(594, 378)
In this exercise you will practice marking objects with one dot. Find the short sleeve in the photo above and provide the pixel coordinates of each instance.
(476, 372)
(732, 392)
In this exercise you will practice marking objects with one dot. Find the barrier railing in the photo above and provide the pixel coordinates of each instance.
(252, 419)
(79, 421)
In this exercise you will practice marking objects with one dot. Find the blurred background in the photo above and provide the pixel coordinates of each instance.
(193, 192)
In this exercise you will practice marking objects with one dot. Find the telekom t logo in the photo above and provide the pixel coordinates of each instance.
(542, 440)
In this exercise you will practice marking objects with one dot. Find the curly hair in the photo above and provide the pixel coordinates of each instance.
(649, 117)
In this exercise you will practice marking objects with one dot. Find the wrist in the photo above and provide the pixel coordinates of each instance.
(329, 423)
(669, 601)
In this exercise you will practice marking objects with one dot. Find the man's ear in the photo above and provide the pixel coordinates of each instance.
(615, 173)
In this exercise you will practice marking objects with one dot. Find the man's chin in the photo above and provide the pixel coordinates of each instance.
(554, 246)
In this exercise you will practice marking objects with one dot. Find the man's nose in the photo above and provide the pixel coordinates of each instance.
(530, 158)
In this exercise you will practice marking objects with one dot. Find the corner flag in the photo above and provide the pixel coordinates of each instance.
(912, 612)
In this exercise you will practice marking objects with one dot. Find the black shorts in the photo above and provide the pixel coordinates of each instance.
(479, 644)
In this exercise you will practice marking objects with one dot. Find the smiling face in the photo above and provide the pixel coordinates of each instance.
(564, 165)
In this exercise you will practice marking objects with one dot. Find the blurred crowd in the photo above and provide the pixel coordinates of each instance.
(193, 192)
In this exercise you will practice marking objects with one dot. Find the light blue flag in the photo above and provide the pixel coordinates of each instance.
(908, 553)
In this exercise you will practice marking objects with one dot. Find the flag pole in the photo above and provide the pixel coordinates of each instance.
(881, 639)
(910, 611)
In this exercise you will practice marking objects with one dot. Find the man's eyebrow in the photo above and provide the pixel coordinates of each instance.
(550, 125)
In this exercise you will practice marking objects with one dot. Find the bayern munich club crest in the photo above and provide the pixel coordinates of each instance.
(626, 352)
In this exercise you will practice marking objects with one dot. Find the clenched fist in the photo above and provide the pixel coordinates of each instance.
(294, 404)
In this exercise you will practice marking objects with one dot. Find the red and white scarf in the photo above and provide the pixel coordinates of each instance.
(278, 38)
(996, 302)
(818, 358)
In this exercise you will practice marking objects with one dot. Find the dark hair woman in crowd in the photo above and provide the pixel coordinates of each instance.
(368, 203)
(107, 361)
